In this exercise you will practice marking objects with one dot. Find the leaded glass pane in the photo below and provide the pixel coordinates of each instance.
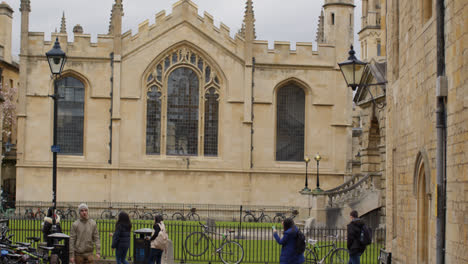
(200, 64)
(290, 124)
(153, 121)
(211, 123)
(167, 63)
(159, 72)
(182, 112)
(193, 58)
(70, 116)
(207, 74)
(150, 78)
(174, 57)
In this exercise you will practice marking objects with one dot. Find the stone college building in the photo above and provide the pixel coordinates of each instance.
(182, 112)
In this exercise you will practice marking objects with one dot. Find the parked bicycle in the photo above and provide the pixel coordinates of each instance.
(191, 216)
(154, 213)
(110, 213)
(7, 212)
(280, 217)
(69, 213)
(137, 213)
(337, 255)
(250, 216)
(197, 243)
(37, 214)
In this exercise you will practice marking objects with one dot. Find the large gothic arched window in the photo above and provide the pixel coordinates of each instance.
(185, 87)
(70, 116)
(290, 117)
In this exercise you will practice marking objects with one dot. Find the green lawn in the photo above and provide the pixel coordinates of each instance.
(259, 248)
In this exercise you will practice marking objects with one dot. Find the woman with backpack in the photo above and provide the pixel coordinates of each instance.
(290, 253)
(157, 243)
(121, 237)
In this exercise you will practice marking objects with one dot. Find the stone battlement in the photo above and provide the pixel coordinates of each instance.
(80, 47)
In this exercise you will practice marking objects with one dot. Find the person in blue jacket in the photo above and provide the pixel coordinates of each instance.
(121, 237)
(289, 253)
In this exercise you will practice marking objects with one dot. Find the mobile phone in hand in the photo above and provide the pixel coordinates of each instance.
(274, 228)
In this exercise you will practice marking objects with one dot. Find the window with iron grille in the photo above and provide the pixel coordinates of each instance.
(183, 93)
(290, 116)
(70, 116)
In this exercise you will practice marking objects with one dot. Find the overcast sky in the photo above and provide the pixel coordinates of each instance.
(292, 20)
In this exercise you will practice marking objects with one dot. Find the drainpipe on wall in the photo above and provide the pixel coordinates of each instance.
(111, 106)
(441, 125)
(252, 115)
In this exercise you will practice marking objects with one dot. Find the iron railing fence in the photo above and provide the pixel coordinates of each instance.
(256, 238)
(220, 212)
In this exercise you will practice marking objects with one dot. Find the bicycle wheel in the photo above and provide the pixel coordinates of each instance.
(194, 217)
(72, 214)
(147, 216)
(278, 219)
(178, 216)
(249, 218)
(106, 214)
(340, 256)
(61, 214)
(265, 219)
(310, 257)
(40, 215)
(231, 252)
(133, 215)
(196, 244)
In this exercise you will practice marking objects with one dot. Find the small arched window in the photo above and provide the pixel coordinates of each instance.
(290, 128)
(70, 116)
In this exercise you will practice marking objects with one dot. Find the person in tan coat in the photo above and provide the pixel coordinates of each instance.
(84, 236)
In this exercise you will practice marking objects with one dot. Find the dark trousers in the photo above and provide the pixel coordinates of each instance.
(155, 255)
(121, 255)
(355, 258)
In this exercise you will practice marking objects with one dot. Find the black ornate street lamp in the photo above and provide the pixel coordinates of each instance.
(318, 158)
(306, 186)
(353, 71)
(56, 58)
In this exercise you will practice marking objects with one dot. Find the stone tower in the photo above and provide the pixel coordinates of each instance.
(338, 25)
(6, 16)
(370, 35)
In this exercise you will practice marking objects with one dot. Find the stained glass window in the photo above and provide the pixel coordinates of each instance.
(182, 112)
(290, 123)
(211, 123)
(70, 116)
(153, 121)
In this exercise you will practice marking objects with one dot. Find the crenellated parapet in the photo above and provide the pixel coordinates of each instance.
(81, 47)
(304, 54)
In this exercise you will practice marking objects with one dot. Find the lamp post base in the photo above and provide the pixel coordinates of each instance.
(317, 191)
(306, 190)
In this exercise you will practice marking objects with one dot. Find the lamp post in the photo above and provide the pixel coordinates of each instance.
(306, 186)
(56, 58)
(318, 158)
(353, 71)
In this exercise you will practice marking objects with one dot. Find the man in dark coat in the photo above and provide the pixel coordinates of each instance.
(355, 246)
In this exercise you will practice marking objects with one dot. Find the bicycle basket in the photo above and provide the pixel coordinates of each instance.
(193, 210)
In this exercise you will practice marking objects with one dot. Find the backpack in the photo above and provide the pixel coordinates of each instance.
(366, 235)
(300, 242)
(161, 241)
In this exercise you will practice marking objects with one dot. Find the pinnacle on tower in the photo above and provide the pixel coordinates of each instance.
(116, 8)
(25, 6)
(320, 30)
(63, 26)
(248, 26)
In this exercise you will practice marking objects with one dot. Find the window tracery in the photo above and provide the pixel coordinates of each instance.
(182, 100)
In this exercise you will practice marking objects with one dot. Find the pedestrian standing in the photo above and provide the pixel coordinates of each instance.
(48, 226)
(121, 237)
(156, 253)
(289, 252)
(84, 238)
(355, 246)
